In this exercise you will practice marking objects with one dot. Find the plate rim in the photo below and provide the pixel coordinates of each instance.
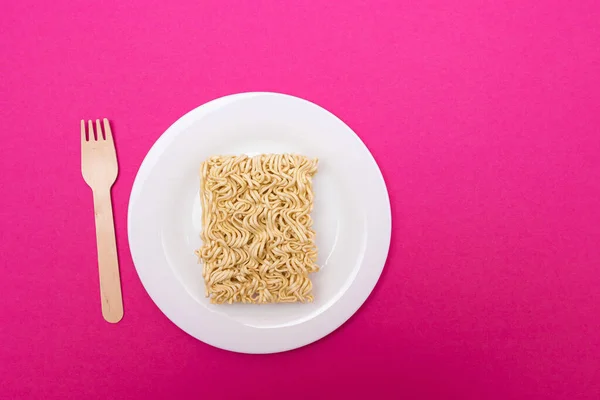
(171, 133)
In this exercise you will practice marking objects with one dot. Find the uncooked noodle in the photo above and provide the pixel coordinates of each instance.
(258, 242)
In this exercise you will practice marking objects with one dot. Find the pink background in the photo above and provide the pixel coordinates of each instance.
(485, 120)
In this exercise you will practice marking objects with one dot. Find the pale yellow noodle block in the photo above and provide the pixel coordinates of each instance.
(258, 242)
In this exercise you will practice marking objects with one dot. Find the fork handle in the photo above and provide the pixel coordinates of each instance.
(108, 263)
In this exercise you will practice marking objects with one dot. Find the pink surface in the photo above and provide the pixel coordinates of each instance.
(485, 120)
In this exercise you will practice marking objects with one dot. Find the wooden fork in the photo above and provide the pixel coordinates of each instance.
(99, 169)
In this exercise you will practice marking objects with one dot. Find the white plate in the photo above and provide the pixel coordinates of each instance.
(351, 216)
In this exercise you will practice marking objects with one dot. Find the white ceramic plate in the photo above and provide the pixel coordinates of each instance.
(351, 218)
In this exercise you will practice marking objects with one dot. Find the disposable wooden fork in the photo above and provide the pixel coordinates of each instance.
(99, 169)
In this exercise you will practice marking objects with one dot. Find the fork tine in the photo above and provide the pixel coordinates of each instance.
(83, 138)
(107, 132)
(91, 134)
(99, 130)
